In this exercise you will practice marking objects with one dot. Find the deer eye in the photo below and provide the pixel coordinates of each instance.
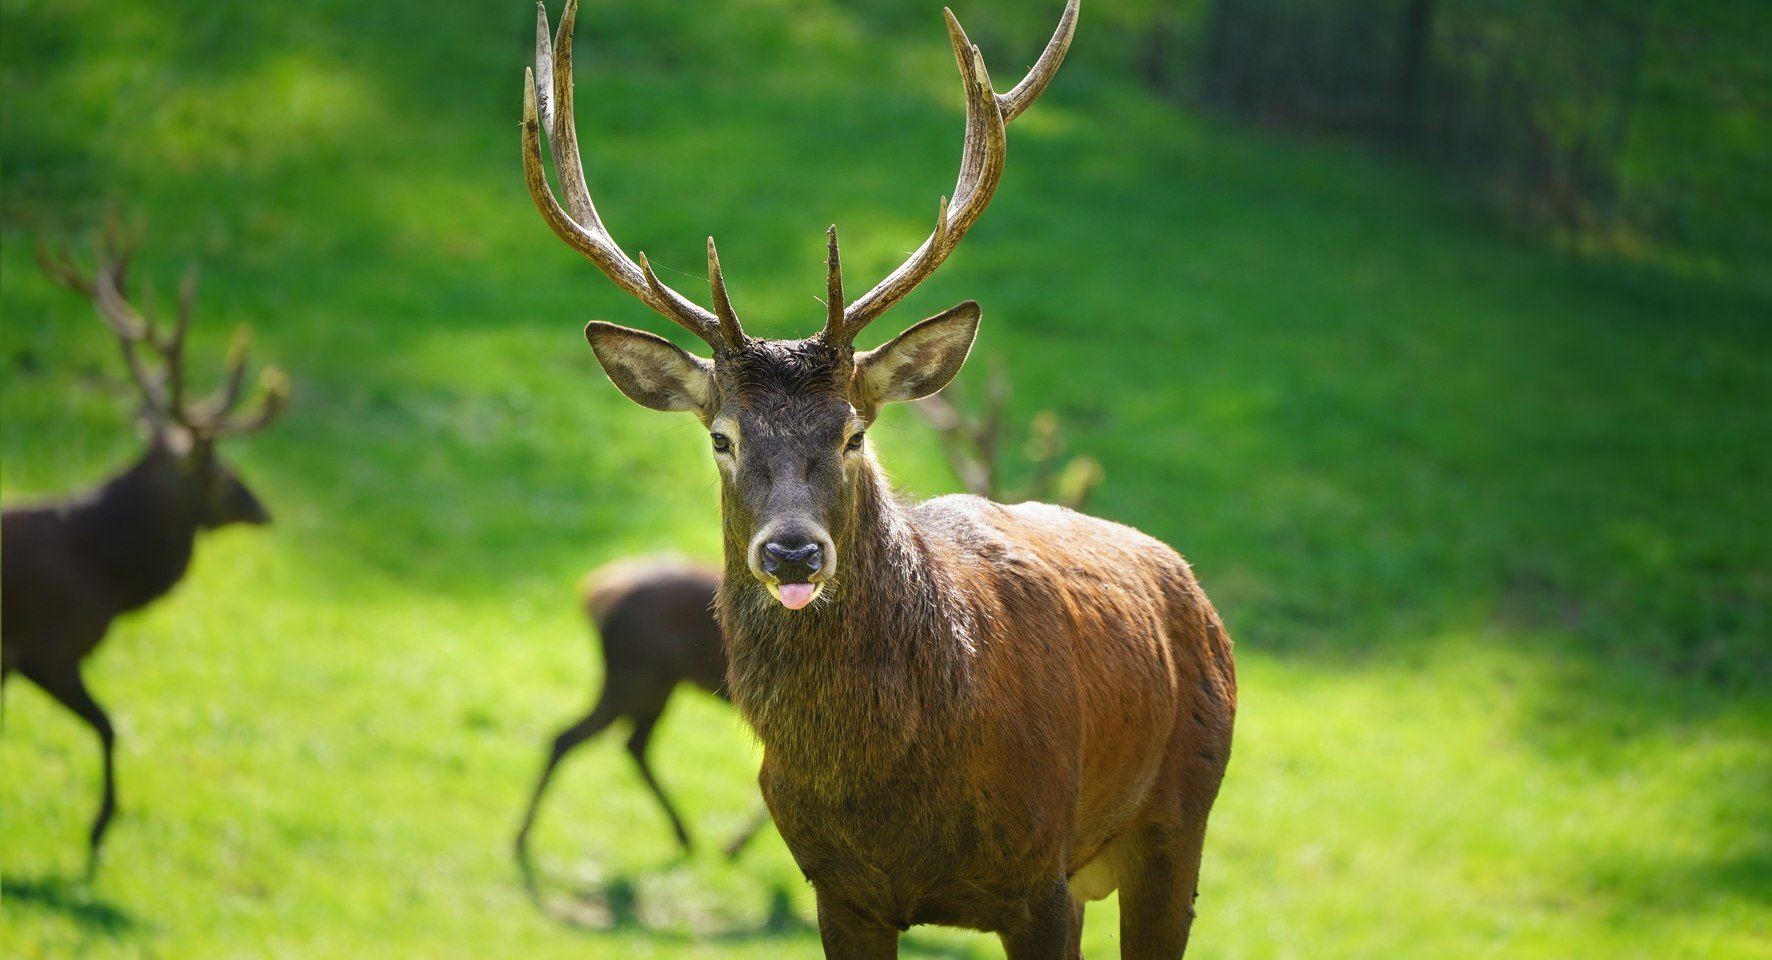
(722, 443)
(854, 442)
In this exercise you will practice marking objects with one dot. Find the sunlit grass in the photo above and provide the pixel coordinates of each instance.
(1488, 522)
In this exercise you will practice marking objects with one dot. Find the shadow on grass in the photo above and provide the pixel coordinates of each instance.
(614, 906)
(71, 898)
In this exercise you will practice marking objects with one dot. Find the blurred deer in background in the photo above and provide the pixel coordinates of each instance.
(654, 615)
(654, 618)
(72, 566)
(972, 714)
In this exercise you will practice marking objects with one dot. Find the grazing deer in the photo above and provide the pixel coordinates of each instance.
(654, 616)
(972, 714)
(72, 566)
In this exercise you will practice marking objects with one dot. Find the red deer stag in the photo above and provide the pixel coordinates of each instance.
(972, 714)
(73, 565)
(654, 616)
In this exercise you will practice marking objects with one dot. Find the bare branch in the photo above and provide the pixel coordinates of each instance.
(973, 447)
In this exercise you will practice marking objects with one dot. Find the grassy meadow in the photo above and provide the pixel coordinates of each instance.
(1489, 520)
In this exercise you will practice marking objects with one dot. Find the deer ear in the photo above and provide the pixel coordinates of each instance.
(652, 371)
(919, 361)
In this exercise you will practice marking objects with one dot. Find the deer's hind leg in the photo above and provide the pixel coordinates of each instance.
(611, 705)
(637, 744)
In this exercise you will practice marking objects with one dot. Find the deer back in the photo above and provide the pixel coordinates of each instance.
(655, 618)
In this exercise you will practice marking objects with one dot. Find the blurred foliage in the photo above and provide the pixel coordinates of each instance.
(1640, 128)
(1489, 521)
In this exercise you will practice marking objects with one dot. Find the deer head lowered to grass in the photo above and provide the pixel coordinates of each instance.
(972, 714)
(73, 565)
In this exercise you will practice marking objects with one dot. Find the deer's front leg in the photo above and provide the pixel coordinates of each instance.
(847, 935)
(1047, 934)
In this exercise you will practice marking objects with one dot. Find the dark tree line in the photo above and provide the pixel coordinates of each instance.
(1628, 120)
(1633, 122)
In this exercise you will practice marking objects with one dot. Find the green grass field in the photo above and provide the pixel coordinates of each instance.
(1490, 522)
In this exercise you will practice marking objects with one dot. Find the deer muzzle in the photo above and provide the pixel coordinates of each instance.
(793, 566)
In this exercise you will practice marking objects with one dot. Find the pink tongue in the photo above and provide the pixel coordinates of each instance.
(796, 595)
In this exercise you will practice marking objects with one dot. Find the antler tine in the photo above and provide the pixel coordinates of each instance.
(172, 347)
(164, 395)
(729, 325)
(214, 415)
(833, 283)
(981, 164)
(842, 324)
(58, 265)
(210, 411)
(275, 384)
(117, 243)
(1023, 94)
(547, 103)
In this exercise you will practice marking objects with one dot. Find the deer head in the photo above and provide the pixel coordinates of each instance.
(181, 433)
(787, 419)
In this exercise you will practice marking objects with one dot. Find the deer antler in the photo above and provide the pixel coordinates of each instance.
(981, 166)
(547, 109)
(547, 105)
(216, 415)
(163, 393)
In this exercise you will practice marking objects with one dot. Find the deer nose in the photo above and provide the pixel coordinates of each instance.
(792, 564)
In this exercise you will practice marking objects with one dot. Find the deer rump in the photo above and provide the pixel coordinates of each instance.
(1054, 698)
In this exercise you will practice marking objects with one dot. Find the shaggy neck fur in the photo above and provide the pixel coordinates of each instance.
(868, 679)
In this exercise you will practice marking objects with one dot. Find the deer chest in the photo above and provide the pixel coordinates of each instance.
(918, 851)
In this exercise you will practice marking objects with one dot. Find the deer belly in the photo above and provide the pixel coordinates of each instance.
(1094, 881)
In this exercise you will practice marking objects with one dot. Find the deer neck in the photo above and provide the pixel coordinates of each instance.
(138, 531)
(870, 675)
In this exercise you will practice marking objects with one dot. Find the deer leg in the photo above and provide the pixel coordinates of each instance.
(847, 935)
(602, 715)
(637, 743)
(65, 685)
(1076, 928)
(1047, 933)
(758, 821)
(1158, 885)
